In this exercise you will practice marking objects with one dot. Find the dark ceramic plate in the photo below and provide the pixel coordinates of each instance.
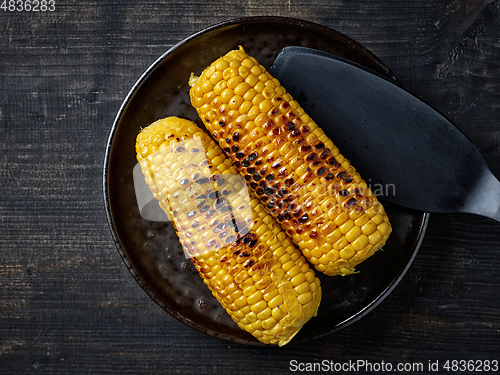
(151, 250)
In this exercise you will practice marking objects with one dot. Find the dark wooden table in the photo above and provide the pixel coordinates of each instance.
(69, 305)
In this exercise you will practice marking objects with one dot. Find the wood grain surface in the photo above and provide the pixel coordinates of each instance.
(68, 304)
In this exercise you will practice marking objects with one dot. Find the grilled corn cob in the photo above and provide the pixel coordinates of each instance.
(246, 260)
(292, 166)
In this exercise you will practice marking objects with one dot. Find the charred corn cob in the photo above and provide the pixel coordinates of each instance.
(292, 166)
(246, 260)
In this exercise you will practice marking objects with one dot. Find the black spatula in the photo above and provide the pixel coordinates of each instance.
(406, 151)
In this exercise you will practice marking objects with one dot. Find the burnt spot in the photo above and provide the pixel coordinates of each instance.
(268, 125)
(211, 243)
(332, 162)
(220, 202)
(228, 140)
(241, 155)
(285, 105)
(223, 234)
(253, 242)
(221, 226)
(235, 148)
(248, 263)
(289, 126)
(214, 195)
(274, 111)
(270, 205)
(287, 215)
(222, 123)
(252, 156)
(305, 129)
(195, 224)
(319, 146)
(249, 237)
(305, 148)
(237, 163)
(180, 149)
(311, 157)
(260, 191)
(341, 175)
(348, 179)
(193, 150)
(202, 181)
(205, 208)
(245, 163)
(344, 192)
(269, 177)
(280, 217)
(184, 181)
(303, 218)
(253, 185)
(248, 177)
(282, 193)
(263, 184)
(191, 213)
(257, 176)
(231, 238)
(329, 176)
(226, 149)
(289, 182)
(295, 133)
(210, 213)
(258, 162)
(325, 153)
(276, 165)
(236, 136)
(313, 234)
(350, 203)
(251, 170)
(275, 132)
(201, 197)
(269, 191)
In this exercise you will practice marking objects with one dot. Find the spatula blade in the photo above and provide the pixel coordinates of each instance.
(407, 151)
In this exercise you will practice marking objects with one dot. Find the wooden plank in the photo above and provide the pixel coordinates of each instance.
(68, 303)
